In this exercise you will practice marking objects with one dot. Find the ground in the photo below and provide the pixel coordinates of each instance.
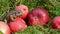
(52, 6)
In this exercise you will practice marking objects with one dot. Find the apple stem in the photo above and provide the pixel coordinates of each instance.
(12, 33)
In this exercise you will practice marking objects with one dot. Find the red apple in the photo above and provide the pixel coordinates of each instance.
(23, 9)
(4, 28)
(17, 24)
(56, 22)
(38, 16)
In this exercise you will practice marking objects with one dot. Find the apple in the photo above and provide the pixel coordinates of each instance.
(56, 22)
(23, 10)
(17, 24)
(4, 28)
(38, 16)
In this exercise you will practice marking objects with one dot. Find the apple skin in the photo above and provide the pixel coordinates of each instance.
(56, 22)
(38, 16)
(4, 28)
(17, 24)
(23, 9)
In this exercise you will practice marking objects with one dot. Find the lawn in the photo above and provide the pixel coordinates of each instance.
(52, 6)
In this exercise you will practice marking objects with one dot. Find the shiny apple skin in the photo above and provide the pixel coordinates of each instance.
(38, 16)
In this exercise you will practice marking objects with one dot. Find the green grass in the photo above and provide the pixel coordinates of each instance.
(52, 6)
(38, 30)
